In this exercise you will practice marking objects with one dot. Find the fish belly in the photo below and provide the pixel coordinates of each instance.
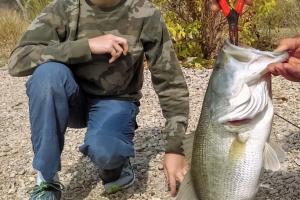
(223, 169)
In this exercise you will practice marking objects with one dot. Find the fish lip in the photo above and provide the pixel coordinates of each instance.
(280, 56)
(238, 122)
(276, 56)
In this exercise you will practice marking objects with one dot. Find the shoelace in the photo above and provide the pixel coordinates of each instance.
(40, 190)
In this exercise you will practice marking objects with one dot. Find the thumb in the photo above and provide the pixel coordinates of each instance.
(281, 48)
(288, 44)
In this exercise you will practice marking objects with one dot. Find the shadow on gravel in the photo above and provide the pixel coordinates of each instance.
(292, 142)
(281, 185)
(148, 143)
(85, 179)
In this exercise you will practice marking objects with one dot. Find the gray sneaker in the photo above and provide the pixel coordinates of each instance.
(125, 180)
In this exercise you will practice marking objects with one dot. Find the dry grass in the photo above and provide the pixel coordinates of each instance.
(12, 25)
(34, 7)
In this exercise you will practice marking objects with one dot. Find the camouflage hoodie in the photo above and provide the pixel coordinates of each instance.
(60, 33)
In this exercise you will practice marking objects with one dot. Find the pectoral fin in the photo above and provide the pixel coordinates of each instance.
(186, 190)
(281, 155)
(273, 154)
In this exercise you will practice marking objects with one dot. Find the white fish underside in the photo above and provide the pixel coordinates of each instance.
(234, 126)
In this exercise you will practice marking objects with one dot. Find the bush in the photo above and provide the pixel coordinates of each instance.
(197, 32)
(269, 20)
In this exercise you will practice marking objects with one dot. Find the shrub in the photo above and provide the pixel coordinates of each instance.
(268, 20)
(197, 32)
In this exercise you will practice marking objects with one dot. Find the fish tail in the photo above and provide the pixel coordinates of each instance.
(186, 190)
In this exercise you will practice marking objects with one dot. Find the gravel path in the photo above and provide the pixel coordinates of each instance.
(80, 177)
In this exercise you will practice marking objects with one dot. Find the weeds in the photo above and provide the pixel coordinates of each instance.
(12, 25)
(31, 8)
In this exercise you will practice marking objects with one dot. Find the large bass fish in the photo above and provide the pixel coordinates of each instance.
(230, 144)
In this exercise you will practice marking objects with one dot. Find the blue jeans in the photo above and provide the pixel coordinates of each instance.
(56, 101)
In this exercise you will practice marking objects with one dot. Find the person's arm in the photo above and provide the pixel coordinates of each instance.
(47, 40)
(171, 88)
(291, 68)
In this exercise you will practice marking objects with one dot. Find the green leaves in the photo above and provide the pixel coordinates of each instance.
(197, 32)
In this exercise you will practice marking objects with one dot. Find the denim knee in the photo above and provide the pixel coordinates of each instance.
(107, 152)
(48, 76)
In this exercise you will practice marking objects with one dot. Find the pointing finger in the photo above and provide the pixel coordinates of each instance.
(114, 55)
(172, 182)
(118, 48)
(123, 42)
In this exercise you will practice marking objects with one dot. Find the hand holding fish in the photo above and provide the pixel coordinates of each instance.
(175, 167)
(291, 68)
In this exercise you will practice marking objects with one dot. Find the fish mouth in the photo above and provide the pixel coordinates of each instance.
(238, 122)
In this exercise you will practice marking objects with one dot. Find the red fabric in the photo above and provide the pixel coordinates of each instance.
(225, 7)
(239, 6)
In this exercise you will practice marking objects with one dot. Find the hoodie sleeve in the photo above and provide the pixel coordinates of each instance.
(168, 80)
(46, 39)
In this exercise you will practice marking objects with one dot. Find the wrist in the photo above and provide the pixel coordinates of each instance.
(92, 48)
(174, 145)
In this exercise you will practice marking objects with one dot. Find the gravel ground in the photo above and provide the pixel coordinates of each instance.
(80, 176)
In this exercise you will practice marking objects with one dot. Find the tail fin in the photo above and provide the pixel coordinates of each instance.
(186, 190)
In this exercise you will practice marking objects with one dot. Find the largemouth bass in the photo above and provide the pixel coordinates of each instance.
(230, 144)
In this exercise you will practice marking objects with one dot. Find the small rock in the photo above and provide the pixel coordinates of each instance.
(13, 174)
(148, 153)
(3, 154)
(12, 190)
(22, 172)
(297, 161)
(160, 167)
(15, 151)
(6, 148)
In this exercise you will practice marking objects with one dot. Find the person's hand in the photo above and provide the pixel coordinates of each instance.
(175, 167)
(291, 68)
(111, 44)
(215, 5)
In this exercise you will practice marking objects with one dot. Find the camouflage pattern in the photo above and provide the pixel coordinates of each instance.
(60, 33)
